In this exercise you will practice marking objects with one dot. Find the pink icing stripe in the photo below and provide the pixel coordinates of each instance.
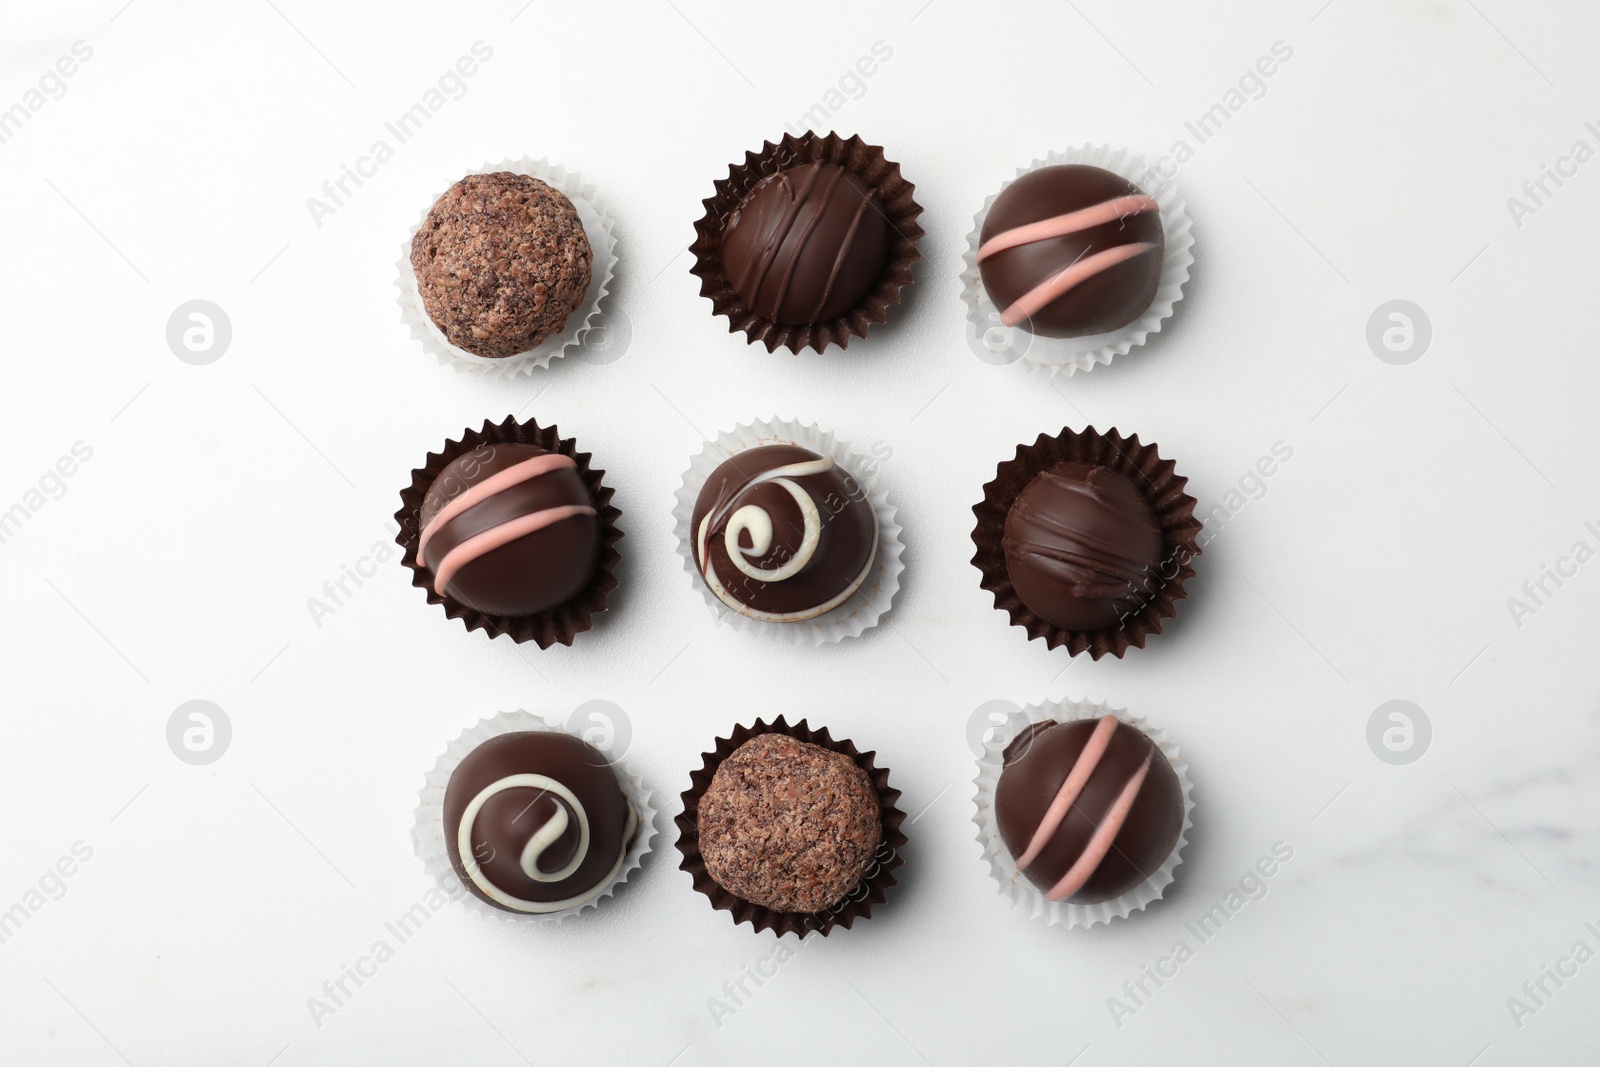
(1088, 759)
(1095, 851)
(1071, 222)
(1081, 271)
(498, 483)
(496, 536)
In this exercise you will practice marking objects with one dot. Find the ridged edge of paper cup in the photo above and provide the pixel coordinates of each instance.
(1003, 867)
(867, 605)
(598, 225)
(427, 832)
(1067, 355)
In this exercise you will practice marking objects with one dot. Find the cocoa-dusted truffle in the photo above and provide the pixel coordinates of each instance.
(788, 825)
(501, 261)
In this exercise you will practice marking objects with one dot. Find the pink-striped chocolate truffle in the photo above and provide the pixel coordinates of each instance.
(1071, 250)
(1089, 809)
(509, 529)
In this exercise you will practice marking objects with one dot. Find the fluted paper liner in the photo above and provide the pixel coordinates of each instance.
(428, 837)
(1155, 479)
(1014, 886)
(866, 605)
(598, 225)
(867, 162)
(1064, 355)
(858, 902)
(557, 625)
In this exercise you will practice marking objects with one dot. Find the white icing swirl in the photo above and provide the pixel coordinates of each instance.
(542, 839)
(756, 521)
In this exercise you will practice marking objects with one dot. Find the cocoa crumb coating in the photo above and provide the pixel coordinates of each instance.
(501, 261)
(788, 825)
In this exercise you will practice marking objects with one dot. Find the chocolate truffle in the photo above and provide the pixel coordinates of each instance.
(781, 534)
(788, 825)
(807, 244)
(501, 261)
(537, 822)
(1089, 809)
(1071, 250)
(1082, 546)
(509, 529)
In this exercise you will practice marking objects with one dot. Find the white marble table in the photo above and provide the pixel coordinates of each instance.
(1394, 154)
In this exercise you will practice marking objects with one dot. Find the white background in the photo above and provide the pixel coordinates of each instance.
(179, 563)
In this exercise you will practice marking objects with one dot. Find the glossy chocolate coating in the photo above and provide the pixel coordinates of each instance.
(1037, 764)
(846, 531)
(806, 244)
(510, 818)
(1105, 301)
(1082, 546)
(538, 570)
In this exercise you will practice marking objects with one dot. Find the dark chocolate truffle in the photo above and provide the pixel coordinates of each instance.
(1089, 809)
(509, 529)
(1071, 250)
(807, 244)
(781, 534)
(788, 825)
(1082, 546)
(501, 261)
(537, 822)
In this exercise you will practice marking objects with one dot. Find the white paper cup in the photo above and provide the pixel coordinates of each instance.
(428, 837)
(598, 226)
(1003, 867)
(866, 605)
(998, 343)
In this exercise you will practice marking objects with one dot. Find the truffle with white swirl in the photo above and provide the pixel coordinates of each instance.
(782, 534)
(537, 822)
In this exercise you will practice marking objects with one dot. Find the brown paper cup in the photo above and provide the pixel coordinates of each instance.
(858, 903)
(557, 625)
(1161, 486)
(865, 161)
